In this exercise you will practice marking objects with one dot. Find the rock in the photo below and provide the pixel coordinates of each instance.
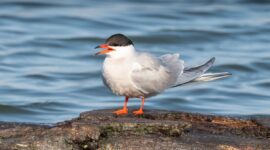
(155, 130)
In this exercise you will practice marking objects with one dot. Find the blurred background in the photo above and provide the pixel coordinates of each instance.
(48, 72)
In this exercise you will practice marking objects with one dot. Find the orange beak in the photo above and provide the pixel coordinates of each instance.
(106, 50)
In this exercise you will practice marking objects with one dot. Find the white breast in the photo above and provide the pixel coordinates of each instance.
(116, 76)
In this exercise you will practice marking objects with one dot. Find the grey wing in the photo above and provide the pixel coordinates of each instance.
(173, 64)
(150, 75)
(191, 74)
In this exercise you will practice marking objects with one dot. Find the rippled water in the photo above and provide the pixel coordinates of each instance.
(48, 72)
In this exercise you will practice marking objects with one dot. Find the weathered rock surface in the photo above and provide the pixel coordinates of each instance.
(154, 130)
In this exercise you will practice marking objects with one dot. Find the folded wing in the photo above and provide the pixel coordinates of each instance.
(190, 74)
(152, 75)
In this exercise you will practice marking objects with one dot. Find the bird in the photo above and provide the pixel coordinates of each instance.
(134, 74)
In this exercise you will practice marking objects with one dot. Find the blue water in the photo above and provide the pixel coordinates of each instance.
(48, 72)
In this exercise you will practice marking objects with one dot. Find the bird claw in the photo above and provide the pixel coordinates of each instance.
(123, 111)
(138, 112)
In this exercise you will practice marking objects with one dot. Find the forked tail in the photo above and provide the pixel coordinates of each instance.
(212, 76)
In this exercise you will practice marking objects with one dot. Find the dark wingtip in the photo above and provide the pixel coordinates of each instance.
(212, 59)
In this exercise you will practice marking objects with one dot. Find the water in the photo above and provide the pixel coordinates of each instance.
(48, 73)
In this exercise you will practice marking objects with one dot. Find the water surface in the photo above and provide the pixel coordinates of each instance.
(49, 73)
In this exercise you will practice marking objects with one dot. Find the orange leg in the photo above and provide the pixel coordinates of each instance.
(124, 110)
(140, 111)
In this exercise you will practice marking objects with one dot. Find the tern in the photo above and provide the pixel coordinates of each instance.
(127, 72)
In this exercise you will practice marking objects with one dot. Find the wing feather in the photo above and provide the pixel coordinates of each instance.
(190, 74)
(152, 75)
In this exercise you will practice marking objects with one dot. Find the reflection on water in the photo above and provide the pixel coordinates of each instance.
(48, 72)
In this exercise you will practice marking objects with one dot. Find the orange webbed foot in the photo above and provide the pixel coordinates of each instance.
(138, 112)
(123, 111)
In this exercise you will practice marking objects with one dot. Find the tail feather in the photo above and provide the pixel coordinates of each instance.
(212, 76)
(197, 74)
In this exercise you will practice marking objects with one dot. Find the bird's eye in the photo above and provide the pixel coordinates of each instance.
(114, 44)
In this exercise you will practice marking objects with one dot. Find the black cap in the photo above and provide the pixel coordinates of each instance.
(118, 40)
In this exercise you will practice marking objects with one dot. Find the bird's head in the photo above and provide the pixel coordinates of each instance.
(117, 45)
